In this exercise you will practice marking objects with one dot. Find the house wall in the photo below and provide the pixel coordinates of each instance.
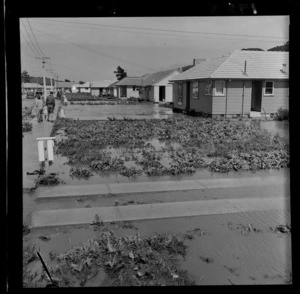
(204, 102)
(175, 96)
(95, 92)
(270, 104)
(84, 90)
(169, 88)
(168, 93)
(155, 90)
(131, 92)
(234, 98)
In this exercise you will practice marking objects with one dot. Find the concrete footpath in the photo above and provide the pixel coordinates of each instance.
(79, 216)
(159, 186)
(30, 150)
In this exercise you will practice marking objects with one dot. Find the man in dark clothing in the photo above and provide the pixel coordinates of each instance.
(50, 102)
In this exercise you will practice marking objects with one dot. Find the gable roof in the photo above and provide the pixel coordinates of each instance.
(85, 85)
(130, 81)
(101, 84)
(64, 84)
(31, 85)
(202, 70)
(259, 65)
(153, 78)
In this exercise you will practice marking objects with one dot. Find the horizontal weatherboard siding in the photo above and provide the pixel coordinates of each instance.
(203, 103)
(234, 99)
(270, 104)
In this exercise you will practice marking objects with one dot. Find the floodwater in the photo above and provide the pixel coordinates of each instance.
(101, 112)
(223, 255)
(279, 127)
(233, 257)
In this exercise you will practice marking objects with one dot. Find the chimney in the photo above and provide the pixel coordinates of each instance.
(194, 62)
(245, 67)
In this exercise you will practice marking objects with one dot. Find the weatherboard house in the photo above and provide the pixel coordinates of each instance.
(101, 87)
(129, 87)
(243, 83)
(156, 86)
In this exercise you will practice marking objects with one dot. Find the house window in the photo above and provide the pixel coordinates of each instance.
(219, 88)
(269, 88)
(133, 88)
(195, 90)
(208, 87)
(180, 94)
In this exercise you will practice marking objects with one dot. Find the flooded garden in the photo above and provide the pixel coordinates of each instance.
(166, 148)
(241, 248)
(134, 143)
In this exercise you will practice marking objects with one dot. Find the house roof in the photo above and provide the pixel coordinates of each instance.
(32, 85)
(64, 84)
(101, 84)
(85, 85)
(114, 84)
(130, 81)
(259, 65)
(154, 78)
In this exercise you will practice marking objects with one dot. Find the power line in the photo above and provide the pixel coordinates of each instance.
(35, 38)
(63, 66)
(28, 43)
(36, 51)
(95, 51)
(160, 34)
(176, 31)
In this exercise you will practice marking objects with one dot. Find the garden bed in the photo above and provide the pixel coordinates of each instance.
(26, 117)
(173, 146)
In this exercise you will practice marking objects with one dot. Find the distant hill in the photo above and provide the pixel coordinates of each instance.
(252, 49)
(284, 48)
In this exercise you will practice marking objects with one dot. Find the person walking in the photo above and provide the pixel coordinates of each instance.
(50, 102)
(39, 104)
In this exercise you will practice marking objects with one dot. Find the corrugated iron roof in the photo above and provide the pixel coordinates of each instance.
(32, 85)
(101, 84)
(64, 84)
(155, 77)
(259, 65)
(130, 81)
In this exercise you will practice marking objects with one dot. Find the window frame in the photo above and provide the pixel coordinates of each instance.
(208, 93)
(180, 93)
(193, 83)
(215, 88)
(265, 87)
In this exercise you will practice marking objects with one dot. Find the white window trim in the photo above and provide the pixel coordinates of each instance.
(210, 92)
(193, 97)
(215, 88)
(266, 94)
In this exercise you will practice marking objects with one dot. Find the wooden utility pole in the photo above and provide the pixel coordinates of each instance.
(44, 79)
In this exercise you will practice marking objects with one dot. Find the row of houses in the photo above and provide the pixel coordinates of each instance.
(238, 83)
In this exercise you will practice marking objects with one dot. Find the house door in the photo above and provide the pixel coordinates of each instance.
(162, 93)
(123, 91)
(187, 98)
(256, 96)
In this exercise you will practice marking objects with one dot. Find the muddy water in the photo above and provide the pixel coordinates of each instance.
(280, 127)
(101, 112)
(253, 258)
(61, 166)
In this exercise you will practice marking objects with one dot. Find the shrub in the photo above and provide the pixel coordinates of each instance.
(282, 114)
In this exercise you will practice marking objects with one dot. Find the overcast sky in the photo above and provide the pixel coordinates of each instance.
(90, 49)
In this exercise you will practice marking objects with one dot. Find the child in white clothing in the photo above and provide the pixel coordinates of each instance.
(45, 112)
